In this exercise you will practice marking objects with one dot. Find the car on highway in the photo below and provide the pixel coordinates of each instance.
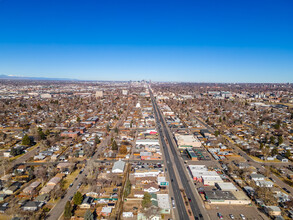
(71, 185)
(286, 190)
(173, 202)
(220, 216)
(232, 216)
(189, 212)
(200, 215)
(242, 217)
(189, 199)
(272, 179)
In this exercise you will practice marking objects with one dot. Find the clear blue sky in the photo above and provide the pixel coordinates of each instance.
(197, 40)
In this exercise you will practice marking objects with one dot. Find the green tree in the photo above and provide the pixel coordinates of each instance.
(266, 139)
(272, 139)
(13, 151)
(116, 130)
(280, 140)
(97, 140)
(288, 153)
(217, 133)
(274, 151)
(41, 134)
(114, 145)
(47, 132)
(261, 122)
(216, 111)
(277, 125)
(88, 215)
(127, 190)
(77, 198)
(108, 127)
(261, 146)
(146, 200)
(68, 210)
(26, 140)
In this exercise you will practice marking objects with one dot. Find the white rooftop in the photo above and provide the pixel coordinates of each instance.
(163, 201)
(226, 186)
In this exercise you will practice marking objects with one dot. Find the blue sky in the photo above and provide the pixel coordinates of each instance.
(197, 41)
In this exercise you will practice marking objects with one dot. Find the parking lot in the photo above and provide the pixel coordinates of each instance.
(250, 213)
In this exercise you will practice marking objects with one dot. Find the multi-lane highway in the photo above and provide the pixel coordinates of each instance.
(195, 202)
(182, 213)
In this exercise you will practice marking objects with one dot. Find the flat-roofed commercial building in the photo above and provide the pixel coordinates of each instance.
(189, 140)
(191, 154)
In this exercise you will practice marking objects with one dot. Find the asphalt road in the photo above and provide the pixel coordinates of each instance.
(58, 209)
(22, 159)
(182, 213)
(165, 132)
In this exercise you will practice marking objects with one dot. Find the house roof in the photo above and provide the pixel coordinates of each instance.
(31, 204)
(273, 208)
(119, 165)
(106, 210)
(87, 200)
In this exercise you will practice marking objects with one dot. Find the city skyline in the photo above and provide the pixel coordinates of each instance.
(189, 42)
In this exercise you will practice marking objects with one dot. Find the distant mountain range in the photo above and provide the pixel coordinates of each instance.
(34, 78)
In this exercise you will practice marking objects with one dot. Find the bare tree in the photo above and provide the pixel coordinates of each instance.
(41, 172)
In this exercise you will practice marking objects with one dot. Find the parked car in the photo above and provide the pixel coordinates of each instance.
(220, 215)
(173, 202)
(232, 216)
(242, 216)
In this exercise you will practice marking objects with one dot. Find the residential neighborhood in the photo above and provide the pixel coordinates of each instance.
(140, 150)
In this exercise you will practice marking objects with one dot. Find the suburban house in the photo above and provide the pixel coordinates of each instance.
(86, 203)
(30, 206)
(118, 167)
